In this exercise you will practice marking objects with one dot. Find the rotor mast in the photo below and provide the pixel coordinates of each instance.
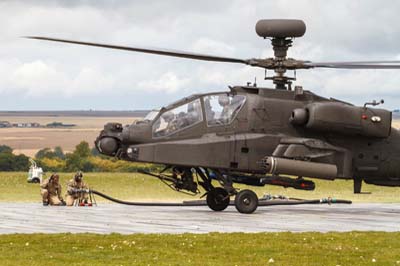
(280, 47)
(281, 32)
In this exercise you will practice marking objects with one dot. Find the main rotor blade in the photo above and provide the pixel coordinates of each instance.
(165, 52)
(392, 64)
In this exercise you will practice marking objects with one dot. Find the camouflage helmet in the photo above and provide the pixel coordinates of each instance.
(54, 176)
(78, 176)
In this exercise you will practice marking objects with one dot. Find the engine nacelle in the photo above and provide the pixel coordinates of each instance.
(343, 118)
(299, 116)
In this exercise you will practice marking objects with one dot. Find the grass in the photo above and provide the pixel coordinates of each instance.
(134, 186)
(355, 248)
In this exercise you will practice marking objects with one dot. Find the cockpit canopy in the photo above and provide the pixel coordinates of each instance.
(219, 109)
(151, 115)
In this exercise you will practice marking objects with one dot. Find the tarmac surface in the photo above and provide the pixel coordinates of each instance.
(114, 218)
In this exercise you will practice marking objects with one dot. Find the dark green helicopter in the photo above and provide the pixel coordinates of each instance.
(257, 136)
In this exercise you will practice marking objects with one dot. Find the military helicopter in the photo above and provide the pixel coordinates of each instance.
(258, 136)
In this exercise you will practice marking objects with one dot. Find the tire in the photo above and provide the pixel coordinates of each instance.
(218, 199)
(246, 201)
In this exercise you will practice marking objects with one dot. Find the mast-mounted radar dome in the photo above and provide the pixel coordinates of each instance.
(280, 28)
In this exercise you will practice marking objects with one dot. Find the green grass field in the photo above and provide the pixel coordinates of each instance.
(133, 186)
(355, 248)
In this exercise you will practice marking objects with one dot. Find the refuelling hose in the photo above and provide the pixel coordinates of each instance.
(135, 203)
(203, 202)
(328, 201)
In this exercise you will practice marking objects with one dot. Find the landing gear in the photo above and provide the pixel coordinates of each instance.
(357, 185)
(246, 201)
(218, 199)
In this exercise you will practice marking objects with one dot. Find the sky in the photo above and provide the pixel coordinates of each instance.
(38, 75)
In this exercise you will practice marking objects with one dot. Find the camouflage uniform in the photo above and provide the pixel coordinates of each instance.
(72, 194)
(51, 191)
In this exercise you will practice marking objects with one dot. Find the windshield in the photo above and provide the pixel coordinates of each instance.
(151, 115)
(221, 109)
(178, 118)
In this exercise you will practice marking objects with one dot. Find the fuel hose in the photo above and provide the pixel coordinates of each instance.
(203, 202)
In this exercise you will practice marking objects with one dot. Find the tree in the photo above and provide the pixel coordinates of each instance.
(11, 162)
(79, 159)
(5, 148)
(53, 165)
(76, 163)
(50, 154)
(82, 150)
(59, 153)
(72, 162)
(45, 153)
(6, 161)
(21, 163)
(95, 152)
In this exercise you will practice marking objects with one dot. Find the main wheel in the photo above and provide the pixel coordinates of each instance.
(218, 199)
(246, 201)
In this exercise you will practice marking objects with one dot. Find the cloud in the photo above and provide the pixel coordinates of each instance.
(85, 77)
(37, 78)
(168, 83)
(205, 45)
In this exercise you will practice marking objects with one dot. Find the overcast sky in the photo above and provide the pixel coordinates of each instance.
(38, 75)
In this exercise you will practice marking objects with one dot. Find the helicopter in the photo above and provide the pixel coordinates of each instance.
(259, 136)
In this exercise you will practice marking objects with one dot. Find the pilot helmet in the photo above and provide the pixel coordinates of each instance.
(168, 116)
(223, 100)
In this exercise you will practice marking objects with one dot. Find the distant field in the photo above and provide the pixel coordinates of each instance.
(396, 123)
(29, 140)
(135, 186)
(81, 122)
(76, 113)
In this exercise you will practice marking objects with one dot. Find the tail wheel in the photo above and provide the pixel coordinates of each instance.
(218, 199)
(246, 201)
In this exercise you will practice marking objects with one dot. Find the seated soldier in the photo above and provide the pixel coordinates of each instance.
(74, 191)
(51, 191)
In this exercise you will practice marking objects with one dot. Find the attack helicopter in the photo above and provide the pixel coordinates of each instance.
(257, 136)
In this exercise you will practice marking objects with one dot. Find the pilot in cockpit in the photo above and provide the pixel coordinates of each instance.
(224, 101)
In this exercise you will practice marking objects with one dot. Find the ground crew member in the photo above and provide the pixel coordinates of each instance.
(74, 190)
(51, 191)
